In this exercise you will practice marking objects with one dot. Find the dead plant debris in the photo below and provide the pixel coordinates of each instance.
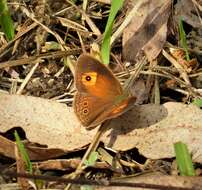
(37, 90)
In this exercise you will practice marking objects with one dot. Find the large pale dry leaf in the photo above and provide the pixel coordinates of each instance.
(165, 125)
(44, 121)
(150, 128)
(147, 30)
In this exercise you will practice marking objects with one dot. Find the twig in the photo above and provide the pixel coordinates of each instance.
(196, 4)
(81, 42)
(88, 20)
(99, 183)
(156, 85)
(93, 146)
(27, 78)
(32, 16)
(59, 39)
(180, 91)
(139, 66)
(156, 91)
(191, 90)
(103, 1)
(195, 74)
(28, 28)
(128, 19)
(178, 67)
(34, 59)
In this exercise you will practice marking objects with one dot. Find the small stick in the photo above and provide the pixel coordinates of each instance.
(90, 23)
(127, 20)
(93, 146)
(178, 67)
(109, 183)
(103, 1)
(28, 28)
(33, 59)
(27, 78)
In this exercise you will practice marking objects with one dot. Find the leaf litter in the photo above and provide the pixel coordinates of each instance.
(43, 120)
(147, 132)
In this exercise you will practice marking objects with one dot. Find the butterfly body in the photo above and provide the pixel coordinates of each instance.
(99, 94)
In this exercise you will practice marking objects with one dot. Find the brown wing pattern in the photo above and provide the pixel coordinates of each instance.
(106, 85)
(98, 92)
(89, 108)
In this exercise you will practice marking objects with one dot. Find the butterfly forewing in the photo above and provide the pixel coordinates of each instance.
(103, 83)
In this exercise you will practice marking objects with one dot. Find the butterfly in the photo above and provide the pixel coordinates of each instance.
(99, 95)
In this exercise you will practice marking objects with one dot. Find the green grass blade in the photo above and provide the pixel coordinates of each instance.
(105, 48)
(92, 159)
(38, 182)
(23, 152)
(183, 40)
(197, 102)
(86, 187)
(184, 161)
(6, 21)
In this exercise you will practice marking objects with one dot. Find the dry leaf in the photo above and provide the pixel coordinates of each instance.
(163, 126)
(186, 10)
(150, 128)
(159, 179)
(7, 148)
(180, 57)
(67, 164)
(43, 121)
(147, 31)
